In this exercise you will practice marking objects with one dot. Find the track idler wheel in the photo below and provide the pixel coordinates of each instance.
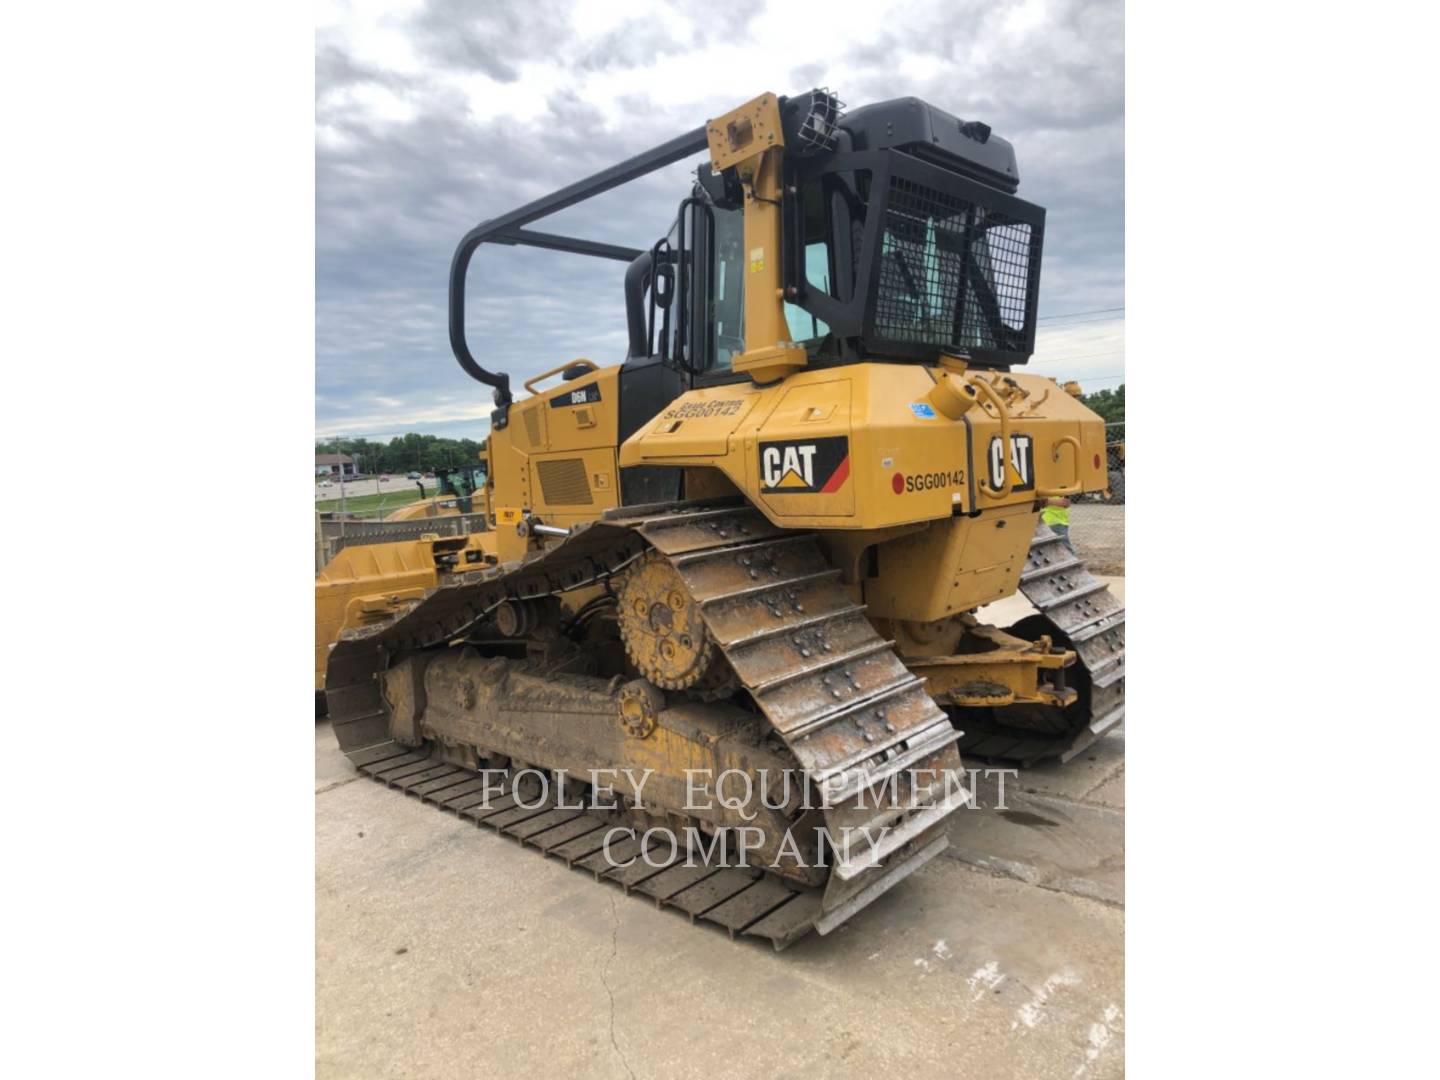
(661, 625)
(1049, 719)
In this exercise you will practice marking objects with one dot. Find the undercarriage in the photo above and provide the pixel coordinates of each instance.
(688, 696)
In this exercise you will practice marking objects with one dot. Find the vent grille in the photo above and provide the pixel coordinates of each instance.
(532, 426)
(953, 272)
(563, 482)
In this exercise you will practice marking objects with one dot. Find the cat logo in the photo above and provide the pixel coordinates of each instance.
(798, 466)
(1022, 457)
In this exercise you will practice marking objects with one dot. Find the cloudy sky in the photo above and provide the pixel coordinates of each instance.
(432, 116)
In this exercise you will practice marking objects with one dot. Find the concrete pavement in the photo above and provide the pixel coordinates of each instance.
(398, 482)
(444, 950)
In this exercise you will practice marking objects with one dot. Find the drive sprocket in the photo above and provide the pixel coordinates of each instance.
(660, 623)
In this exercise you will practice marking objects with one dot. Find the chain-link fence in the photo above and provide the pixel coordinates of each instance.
(369, 498)
(1097, 522)
(353, 510)
(333, 535)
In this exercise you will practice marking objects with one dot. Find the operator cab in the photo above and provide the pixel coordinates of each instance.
(903, 240)
(461, 484)
(898, 239)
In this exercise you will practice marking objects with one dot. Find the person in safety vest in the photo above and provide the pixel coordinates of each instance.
(1056, 514)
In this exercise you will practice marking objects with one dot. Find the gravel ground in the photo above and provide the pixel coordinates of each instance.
(1098, 532)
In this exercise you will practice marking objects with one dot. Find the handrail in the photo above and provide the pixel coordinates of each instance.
(683, 329)
(1050, 493)
(532, 383)
(507, 229)
(1007, 468)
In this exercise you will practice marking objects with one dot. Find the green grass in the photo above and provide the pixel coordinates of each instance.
(378, 505)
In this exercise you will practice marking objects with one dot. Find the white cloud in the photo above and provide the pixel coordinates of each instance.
(1091, 349)
(434, 115)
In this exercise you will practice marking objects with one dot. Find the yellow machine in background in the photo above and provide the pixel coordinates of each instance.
(1115, 467)
(762, 540)
(461, 491)
(1114, 456)
(360, 576)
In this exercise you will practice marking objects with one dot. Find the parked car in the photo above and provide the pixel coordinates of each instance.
(412, 475)
(384, 477)
(326, 483)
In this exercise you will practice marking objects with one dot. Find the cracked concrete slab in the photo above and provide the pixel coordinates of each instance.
(1111, 792)
(1084, 775)
(442, 949)
(1055, 826)
(331, 768)
(1055, 843)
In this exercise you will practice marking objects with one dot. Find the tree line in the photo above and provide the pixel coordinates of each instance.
(1110, 404)
(411, 451)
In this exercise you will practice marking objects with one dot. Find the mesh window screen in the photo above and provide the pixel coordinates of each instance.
(952, 272)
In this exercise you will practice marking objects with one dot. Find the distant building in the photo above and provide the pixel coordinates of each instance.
(334, 465)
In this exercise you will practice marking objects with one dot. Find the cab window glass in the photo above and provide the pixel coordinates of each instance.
(727, 315)
(803, 325)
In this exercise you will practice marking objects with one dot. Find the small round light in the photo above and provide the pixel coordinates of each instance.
(1097, 461)
(897, 483)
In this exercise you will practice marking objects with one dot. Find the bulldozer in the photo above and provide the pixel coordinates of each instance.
(460, 491)
(391, 555)
(756, 550)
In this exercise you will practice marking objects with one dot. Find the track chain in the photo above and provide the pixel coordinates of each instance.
(743, 901)
(834, 691)
(1081, 613)
(831, 687)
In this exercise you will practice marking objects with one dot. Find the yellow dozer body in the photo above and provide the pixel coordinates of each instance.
(758, 545)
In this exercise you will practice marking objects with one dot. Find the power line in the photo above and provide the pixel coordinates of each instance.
(1074, 314)
(1081, 322)
(1089, 378)
(1087, 356)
